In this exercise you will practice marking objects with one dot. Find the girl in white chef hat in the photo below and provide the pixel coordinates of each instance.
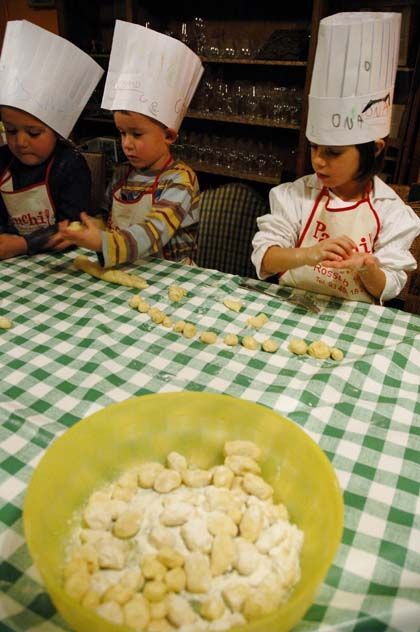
(342, 231)
(45, 82)
(152, 204)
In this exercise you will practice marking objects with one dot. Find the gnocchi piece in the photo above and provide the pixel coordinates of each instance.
(248, 342)
(256, 322)
(170, 557)
(127, 524)
(77, 585)
(248, 558)
(137, 613)
(176, 579)
(242, 464)
(158, 609)
(167, 480)
(128, 479)
(196, 535)
(160, 536)
(156, 315)
(219, 523)
(212, 608)
(111, 611)
(231, 340)
(180, 612)
(222, 476)
(147, 473)
(176, 461)
(251, 523)
(223, 554)
(176, 514)
(86, 555)
(270, 345)
(298, 346)
(92, 599)
(197, 572)
(189, 330)
(123, 493)
(75, 226)
(118, 593)
(179, 326)
(176, 293)
(336, 354)
(152, 568)
(98, 516)
(196, 478)
(111, 553)
(272, 536)
(242, 448)
(232, 304)
(208, 337)
(256, 486)
(235, 594)
(143, 307)
(134, 301)
(155, 590)
(132, 579)
(167, 322)
(258, 604)
(319, 349)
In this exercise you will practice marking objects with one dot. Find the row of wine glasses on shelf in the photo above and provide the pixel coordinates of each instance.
(212, 42)
(233, 154)
(264, 100)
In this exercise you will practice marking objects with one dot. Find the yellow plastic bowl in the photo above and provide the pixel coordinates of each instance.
(98, 448)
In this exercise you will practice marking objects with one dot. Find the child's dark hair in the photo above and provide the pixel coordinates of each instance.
(370, 164)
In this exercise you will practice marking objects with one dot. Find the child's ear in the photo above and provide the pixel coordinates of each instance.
(170, 135)
(379, 146)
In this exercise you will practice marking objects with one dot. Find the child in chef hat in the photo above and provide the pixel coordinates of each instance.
(153, 199)
(45, 82)
(342, 231)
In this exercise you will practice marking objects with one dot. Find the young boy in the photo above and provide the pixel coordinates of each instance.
(45, 83)
(152, 203)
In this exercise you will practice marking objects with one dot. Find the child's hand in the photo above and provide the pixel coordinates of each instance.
(88, 237)
(328, 251)
(359, 261)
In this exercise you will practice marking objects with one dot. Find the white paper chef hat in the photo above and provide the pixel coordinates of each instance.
(151, 74)
(45, 75)
(350, 99)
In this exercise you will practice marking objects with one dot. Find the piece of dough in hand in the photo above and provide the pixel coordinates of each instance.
(75, 226)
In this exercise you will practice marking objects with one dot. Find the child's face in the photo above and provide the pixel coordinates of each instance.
(335, 166)
(30, 141)
(144, 141)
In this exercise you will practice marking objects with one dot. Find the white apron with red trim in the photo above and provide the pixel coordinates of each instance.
(359, 222)
(125, 213)
(30, 208)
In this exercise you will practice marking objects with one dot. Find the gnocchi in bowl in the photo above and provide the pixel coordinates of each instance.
(100, 449)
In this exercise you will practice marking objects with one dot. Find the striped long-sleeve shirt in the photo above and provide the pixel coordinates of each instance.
(169, 228)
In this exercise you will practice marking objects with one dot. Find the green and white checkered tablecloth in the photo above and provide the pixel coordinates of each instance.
(76, 346)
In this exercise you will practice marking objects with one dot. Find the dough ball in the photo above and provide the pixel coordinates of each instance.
(298, 346)
(208, 337)
(230, 303)
(75, 226)
(319, 349)
(5, 323)
(270, 346)
(250, 343)
(231, 340)
(336, 354)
